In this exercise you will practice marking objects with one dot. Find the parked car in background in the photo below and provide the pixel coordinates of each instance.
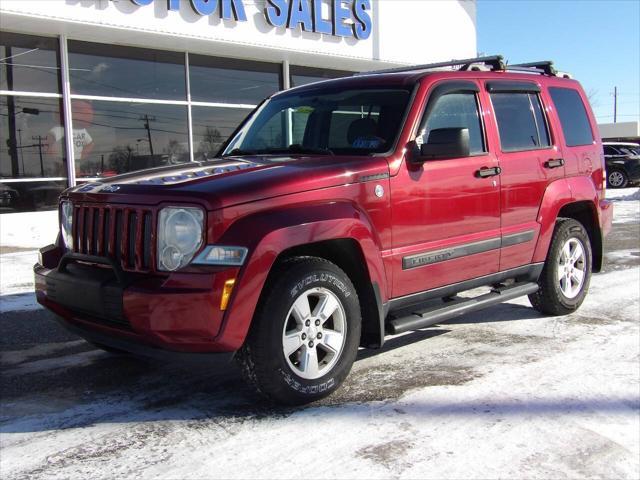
(622, 162)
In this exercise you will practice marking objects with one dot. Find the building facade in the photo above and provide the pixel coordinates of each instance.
(95, 88)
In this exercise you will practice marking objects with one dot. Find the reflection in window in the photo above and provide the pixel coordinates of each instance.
(348, 122)
(212, 126)
(29, 64)
(30, 196)
(224, 80)
(573, 116)
(456, 110)
(31, 138)
(520, 121)
(110, 138)
(112, 71)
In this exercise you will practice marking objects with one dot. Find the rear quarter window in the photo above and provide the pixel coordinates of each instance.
(573, 116)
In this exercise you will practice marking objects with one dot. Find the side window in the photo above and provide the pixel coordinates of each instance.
(456, 110)
(521, 123)
(573, 116)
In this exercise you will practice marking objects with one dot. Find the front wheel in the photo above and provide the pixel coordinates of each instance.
(565, 278)
(305, 334)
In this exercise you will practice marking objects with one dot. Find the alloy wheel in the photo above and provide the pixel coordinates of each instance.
(314, 333)
(571, 267)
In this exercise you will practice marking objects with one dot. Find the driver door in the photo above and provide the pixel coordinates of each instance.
(446, 213)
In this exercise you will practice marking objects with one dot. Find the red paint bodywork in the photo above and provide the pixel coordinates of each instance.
(269, 208)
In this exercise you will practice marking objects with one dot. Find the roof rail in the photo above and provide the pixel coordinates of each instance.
(545, 65)
(495, 62)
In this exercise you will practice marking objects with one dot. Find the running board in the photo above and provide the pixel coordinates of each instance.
(460, 306)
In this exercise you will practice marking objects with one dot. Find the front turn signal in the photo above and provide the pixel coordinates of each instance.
(226, 293)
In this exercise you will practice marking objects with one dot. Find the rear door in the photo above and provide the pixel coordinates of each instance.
(529, 160)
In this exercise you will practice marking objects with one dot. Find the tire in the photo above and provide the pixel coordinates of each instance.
(617, 179)
(291, 313)
(562, 288)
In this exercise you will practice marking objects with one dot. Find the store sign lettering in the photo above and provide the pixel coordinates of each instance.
(348, 18)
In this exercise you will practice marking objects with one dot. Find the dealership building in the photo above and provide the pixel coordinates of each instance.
(95, 88)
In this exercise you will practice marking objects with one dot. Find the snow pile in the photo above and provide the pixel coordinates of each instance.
(29, 229)
(626, 208)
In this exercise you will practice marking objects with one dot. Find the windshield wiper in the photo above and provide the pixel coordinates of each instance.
(294, 148)
(297, 148)
(239, 151)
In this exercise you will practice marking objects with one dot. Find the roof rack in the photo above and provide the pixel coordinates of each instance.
(545, 65)
(493, 62)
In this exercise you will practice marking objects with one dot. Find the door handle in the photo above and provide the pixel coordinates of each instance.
(485, 172)
(554, 163)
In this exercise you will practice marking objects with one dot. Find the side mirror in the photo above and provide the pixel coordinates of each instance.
(445, 143)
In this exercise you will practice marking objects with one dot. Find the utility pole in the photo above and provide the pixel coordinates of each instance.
(21, 148)
(148, 127)
(11, 111)
(615, 104)
(39, 138)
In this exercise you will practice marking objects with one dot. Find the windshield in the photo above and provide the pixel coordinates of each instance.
(326, 122)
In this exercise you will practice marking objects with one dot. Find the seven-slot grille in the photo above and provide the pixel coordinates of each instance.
(123, 234)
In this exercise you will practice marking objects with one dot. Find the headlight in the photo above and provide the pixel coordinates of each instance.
(66, 224)
(219, 255)
(179, 236)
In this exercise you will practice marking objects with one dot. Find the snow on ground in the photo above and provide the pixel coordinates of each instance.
(499, 393)
(627, 204)
(28, 230)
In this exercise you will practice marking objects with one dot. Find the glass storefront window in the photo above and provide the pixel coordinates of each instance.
(31, 149)
(31, 138)
(221, 80)
(116, 137)
(212, 126)
(114, 71)
(29, 63)
(30, 196)
(306, 75)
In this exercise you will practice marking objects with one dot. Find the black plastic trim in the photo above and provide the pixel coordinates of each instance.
(435, 256)
(460, 306)
(517, 238)
(512, 87)
(142, 349)
(529, 273)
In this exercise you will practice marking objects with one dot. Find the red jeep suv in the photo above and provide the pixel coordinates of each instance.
(336, 214)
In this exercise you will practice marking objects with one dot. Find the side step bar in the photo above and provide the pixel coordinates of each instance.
(460, 306)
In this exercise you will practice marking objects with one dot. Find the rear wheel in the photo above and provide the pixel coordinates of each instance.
(305, 335)
(617, 179)
(565, 278)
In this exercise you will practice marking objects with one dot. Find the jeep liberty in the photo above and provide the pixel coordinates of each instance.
(339, 213)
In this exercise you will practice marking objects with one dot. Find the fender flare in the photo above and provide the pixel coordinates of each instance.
(559, 194)
(273, 232)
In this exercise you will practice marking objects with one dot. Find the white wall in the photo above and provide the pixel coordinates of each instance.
(404, 31)
(619, 130)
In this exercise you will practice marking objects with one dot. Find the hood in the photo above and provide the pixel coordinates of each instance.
(230, 181)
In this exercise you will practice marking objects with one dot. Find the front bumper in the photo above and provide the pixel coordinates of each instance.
(151, 315)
